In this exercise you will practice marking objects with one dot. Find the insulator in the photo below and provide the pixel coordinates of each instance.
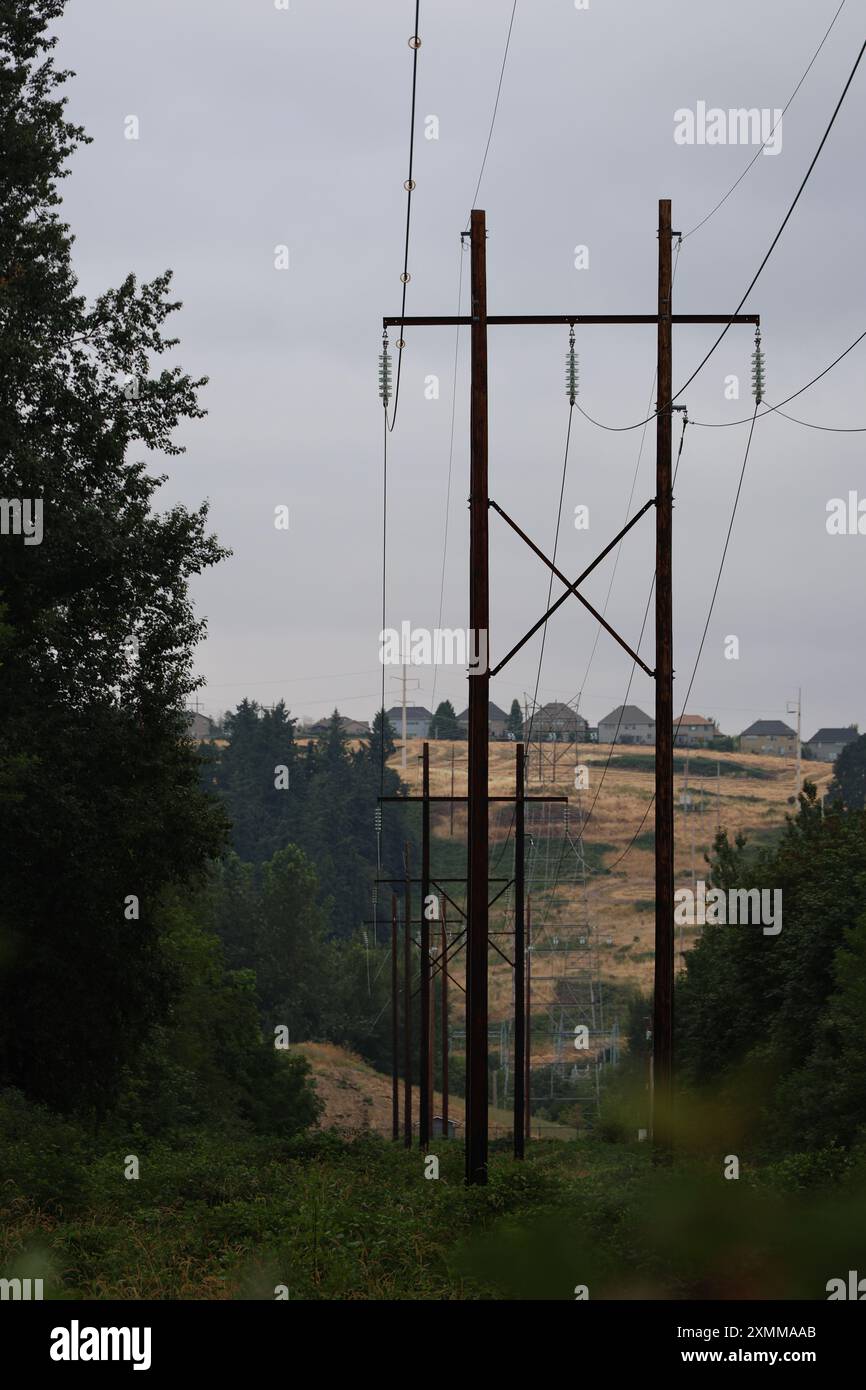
(385, 376)
(378, 818)
(758, 381)
(572, 375)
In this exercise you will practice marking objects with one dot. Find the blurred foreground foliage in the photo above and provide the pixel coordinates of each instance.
(330, 1217)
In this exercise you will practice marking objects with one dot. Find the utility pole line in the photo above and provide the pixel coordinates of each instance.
(664, 711)
(407, 1003)
(479, 694)
(403, 726)
(444, 1022)
(479, 680)
(527, 1082)
(395, 1026)
(425, 1099)
(520, 1016)
(792, 707)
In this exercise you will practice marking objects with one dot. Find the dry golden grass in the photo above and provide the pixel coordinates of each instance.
(619, 904)
(356, 1097)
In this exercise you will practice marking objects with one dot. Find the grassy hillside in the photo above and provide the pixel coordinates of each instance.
(614, 909)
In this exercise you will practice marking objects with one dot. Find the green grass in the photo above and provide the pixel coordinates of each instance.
(356, 1219)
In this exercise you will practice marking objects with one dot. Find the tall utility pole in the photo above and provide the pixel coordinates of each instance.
(527, 1072)
(479, 694)
(395, 1025)
(520, 1048)
(403, 730)
(425, 1096)
(444, 1022)
(664, 676)
(477, 909)
(794, 707)
(407, 1004)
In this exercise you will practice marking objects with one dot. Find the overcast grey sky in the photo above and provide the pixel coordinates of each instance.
(261, 127)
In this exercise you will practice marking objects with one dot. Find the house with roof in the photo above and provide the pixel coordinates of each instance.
(627, 724)
(200, 726)
(557, 722)
(772, 737)
(827, 744)
(497, 720)
(417, 720)
(695, 731)
(352, 728)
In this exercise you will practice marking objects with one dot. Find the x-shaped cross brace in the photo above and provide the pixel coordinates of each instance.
(571, 588)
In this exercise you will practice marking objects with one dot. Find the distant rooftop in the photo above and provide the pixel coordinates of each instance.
(768, 728)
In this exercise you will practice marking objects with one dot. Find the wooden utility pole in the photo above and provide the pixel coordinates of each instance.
(425, 1097)
(477, 910)
(527, 1084)
(520, 1015)
(479, 694)
(444, 1022)
(395, 1026)
(407, 1004)
(664, 673)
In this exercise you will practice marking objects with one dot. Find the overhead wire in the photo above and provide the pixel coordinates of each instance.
(726, 424)
(457, 330)
(761, 147)
(409, 185)
(495, 104)
(706, 626)
(705, 359)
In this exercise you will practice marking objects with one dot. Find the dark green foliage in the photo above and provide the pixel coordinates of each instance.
(514, 724)
(787, 1008)
(382, 731)
(444, 723)
(98, 785)
(849, 775)
(212, 1063)
(328, 809)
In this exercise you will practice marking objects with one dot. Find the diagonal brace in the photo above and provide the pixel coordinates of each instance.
(571, 588)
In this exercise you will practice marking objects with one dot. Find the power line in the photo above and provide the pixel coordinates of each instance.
(495, 105)
(726, 424)
(755, 277)
(751, 163)
(831, 429)
(706, 628)
(409, 185)
(450, 463)
(457, 330)
(579, 694)
(634, 663)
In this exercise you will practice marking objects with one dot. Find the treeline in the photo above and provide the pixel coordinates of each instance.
(769, 1028)
(141, 965)
(294, 901)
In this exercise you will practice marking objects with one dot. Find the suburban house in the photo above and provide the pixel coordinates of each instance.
(695, 731)
(352, 728)
(496, 720)
(827, 744)
(200, 727)
(417, 720)
(770, 736)
(634, 726)
(557, 722)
